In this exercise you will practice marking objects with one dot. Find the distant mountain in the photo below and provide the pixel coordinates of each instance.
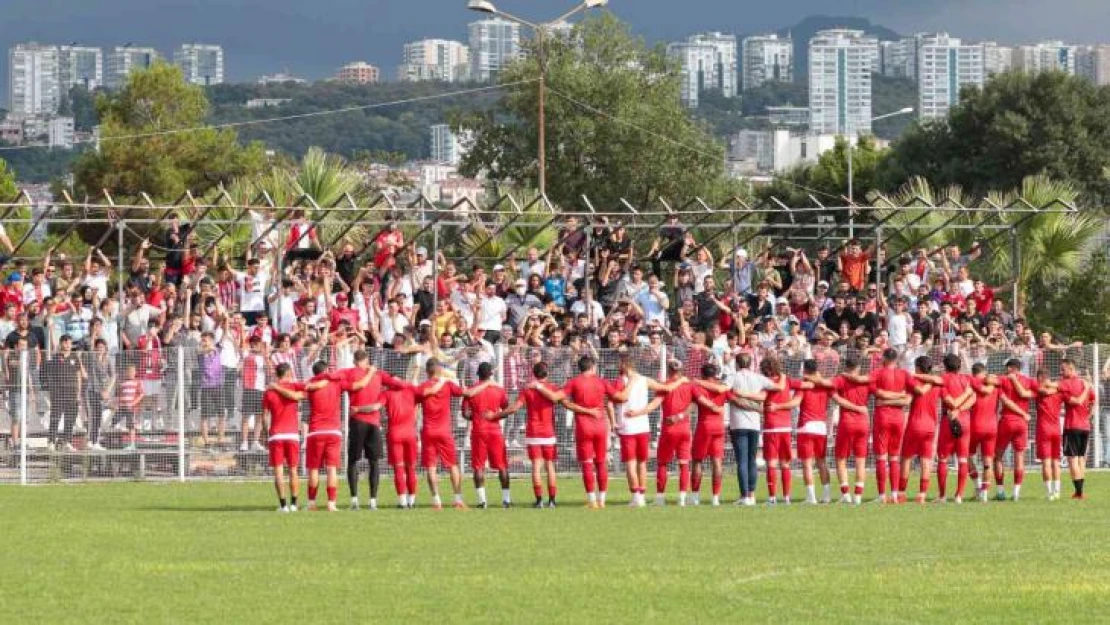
(804, 30)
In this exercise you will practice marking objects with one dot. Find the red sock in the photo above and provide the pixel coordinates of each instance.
(859, 488)
(880, 476)
(961, 477)
(552, 490)
(661, 479)
(588, 477)
(413, 482)
(895, 473)
(999, 477)
(786, 475)
(771, 478)
(942, 478)
(537, 489)
(843, 489)
(973, 473)
(399, 481)
(716, 485)
(695, 482)
(923, 485)
(312, 492)
(602, 476)
(684, 477)
(331, 494)
(1019, 476)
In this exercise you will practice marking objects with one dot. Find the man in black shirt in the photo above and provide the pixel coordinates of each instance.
(574, 239)
(424, 300)
(838, 314)
(62, 377)
(346, 264)
(668, 247)
(709, 306)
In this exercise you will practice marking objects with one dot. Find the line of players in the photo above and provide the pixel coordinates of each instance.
(952, 414)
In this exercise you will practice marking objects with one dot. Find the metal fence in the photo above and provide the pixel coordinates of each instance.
(140, 415)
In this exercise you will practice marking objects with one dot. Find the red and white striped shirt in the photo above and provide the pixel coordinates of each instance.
(229, 294)
(254, 372)
(289, 358)
(130, 394)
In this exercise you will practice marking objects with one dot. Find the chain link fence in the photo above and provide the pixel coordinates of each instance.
(188, 412)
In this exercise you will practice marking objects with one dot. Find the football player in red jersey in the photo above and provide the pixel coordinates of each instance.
(813, 430)
(281, 416)
(1050, 434)
(709, 435)
(984, 424)
(399, 399)
(890, 385)
(485, 410)
(1078, 398)
(325, 433)
(1014, 393)
(539, 432)
(585, 395)
(921, 427)
(956, 396)
(852, 390)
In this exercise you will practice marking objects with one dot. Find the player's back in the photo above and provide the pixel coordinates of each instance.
(540, 412)
(284, 415)
(324, 404)
(587, 390)
(489, 400)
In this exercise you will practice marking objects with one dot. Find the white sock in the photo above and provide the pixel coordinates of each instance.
(826, 491)
(1017, 491)
(695, 497)
(436, 501)
(481, 494)
(354, 502)
(601, 496)
(681, 497)
(857, 499)
(811, 493)
(411, 499)
(458, 498)
(373, 503)
(506, 497)
(591, 497)
(1056, 486)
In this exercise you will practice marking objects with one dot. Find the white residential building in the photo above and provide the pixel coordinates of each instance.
(840, 66)
(706, 61)
(33, 86)
(494, 43)
(996, 59)
(1044, 57)
(60, 133)
(280, 78)
(1093, 63)
(898, 59)
(766, 57)
(202, 64)
(775, 151)
(447, 147)
(122, 60)
(80, 65)
(945, 66)
(434, 59)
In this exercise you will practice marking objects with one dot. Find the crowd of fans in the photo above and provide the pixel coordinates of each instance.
(290, 300)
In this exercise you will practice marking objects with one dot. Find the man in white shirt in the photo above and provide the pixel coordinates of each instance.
(588, 306)
(95, 274)
(654, 302)
(744, 423)
(899, 324)
(533, 265)
(252, 291)
(282, 308)
(492, 313)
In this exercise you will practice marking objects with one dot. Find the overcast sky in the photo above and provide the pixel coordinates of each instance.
(313, 37)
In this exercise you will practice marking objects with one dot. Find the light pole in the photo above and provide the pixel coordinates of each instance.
(540, 28)
(851, 193)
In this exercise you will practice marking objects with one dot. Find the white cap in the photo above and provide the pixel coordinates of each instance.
(741, 252)
(783, 300)
(421, 251)
(823, 283)
(499, 267)
(425, 322)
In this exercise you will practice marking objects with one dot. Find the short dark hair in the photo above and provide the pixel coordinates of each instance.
(319, 367)
(362, 355)
(1013, 363)
(952, 363)
(744, 361)
(709, 370)
(540, 370)
(851, 363)
(923, 364)
(485, 371)
(282, 370)
(978, 368)
(585, 363)
(809, 366)
(890, 354)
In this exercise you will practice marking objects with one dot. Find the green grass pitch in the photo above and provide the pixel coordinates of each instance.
(219, 553)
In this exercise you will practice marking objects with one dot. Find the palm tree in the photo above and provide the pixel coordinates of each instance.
(483, 241)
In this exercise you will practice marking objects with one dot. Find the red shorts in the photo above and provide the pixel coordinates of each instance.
(917, 443)
(888, 437)
(591, 445)
(1011, 433)
(1049, 446)
(439, 447)
(488, 447)
(707, 445)
(635, 447)
(948, 446)
(851, 440)
(284, 452)
(401, 451)
(543, 452)
(384, 259)
(812, 446)
(776, 446)
(983, 442)
(674, 444)
(322, 450)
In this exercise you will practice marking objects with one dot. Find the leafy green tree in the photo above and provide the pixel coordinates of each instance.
(615, 127)
(830, 174)
(1018, 125)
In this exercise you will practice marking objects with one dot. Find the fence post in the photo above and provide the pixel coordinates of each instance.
(663, 362)
(1096, 384)
(181, 413)
(24, 391)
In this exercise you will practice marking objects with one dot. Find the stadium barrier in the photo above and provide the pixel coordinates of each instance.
(78, 416)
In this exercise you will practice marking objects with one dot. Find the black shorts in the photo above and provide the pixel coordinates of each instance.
(212, 403)
(364, 441)
(1075, 443)
(252, 403)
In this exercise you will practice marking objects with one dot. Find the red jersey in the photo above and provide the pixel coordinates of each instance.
(981, 303)
(323, 405)
(339, 315)
(894, 380)
(1007, 389)
(1048, 410)
(779, 420)
(540, 421)
(437, 407)
(130, 394)
(855, 392)
(489, 400)
(365, 396)
(955, 384)
(1076, 417)
(254, 372)
(399, 398)
(284, 416)
(813, 412)
(854, 269)
(711, 423)
(984, 412)
(923, 410)
(677, 401)
(589, 391)
(150, 357)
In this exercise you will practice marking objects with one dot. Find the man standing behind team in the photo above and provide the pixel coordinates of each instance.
(748, 388)
(1077, 422)
(281, 416)
(1014, 393)
(487, 443)
(363, 384)
(539, 432)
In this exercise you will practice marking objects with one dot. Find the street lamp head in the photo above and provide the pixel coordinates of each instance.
(482, 6)
(906, 111)
(596, 4)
